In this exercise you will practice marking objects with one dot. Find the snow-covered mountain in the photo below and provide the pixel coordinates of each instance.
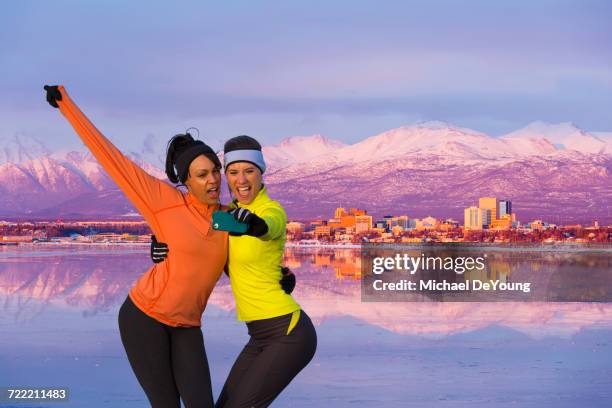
(445, 142)
(56, 183)
(605, 137)
(299, 149)
(555, 189)
(429, 138)
(434, 168)
(556, 172)
(564, 136)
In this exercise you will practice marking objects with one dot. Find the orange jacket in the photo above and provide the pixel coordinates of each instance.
(175, 291)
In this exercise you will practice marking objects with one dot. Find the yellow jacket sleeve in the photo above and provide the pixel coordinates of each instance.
(276, 220)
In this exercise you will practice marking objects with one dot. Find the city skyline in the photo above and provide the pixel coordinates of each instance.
(558, 172)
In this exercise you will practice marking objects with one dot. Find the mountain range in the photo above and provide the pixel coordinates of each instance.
(556, 172)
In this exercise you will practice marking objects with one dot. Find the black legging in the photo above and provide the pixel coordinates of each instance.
(169, 362)
(269, 361)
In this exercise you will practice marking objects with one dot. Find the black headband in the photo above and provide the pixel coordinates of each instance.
(184, 158)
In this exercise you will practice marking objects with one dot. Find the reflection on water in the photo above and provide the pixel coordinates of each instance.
(531, 275)
(59, 309)
(328, 286)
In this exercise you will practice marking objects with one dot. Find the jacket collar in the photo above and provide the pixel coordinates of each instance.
(202, 208)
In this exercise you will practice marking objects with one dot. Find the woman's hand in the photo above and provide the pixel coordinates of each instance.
(53, 95)
(257, 226)
(287, 282)
(159, 250)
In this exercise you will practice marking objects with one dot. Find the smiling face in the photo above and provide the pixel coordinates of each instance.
(244, 181)
(204, 180)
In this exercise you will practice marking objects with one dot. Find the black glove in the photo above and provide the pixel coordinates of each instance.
(287, 282)
(53, 95)
(159, 250)
(257, 226)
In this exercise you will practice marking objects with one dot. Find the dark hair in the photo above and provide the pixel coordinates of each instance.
(242, 142)
(179, 144)
(175, 145)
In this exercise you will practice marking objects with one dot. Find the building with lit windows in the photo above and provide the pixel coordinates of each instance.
(490, 205)
(474, 217)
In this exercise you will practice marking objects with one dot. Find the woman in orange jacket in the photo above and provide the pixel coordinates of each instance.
(283, 339)
(159, 321)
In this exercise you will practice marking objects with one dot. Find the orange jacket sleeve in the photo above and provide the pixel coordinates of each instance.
(147, 193)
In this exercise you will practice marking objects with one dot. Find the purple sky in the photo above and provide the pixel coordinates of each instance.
(345, 69)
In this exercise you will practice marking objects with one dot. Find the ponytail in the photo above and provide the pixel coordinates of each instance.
(177, 144)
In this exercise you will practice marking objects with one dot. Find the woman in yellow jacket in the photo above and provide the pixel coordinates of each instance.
(282, 337)
(160, 320)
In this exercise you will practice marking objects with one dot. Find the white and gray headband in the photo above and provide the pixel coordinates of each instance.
(244, 155)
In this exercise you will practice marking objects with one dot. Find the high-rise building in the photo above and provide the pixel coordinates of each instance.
(505, 207)
(490, 205)
(340, 212)
(391, 221)
(363, 223)
(474, 217)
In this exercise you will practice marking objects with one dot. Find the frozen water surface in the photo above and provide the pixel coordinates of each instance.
(58, 326)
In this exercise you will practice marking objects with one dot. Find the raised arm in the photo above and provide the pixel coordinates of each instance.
(144, 191)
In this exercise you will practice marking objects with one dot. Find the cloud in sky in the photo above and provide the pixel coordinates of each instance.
(275, 69)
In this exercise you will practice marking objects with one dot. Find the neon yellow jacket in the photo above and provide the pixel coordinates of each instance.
(254, 264)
